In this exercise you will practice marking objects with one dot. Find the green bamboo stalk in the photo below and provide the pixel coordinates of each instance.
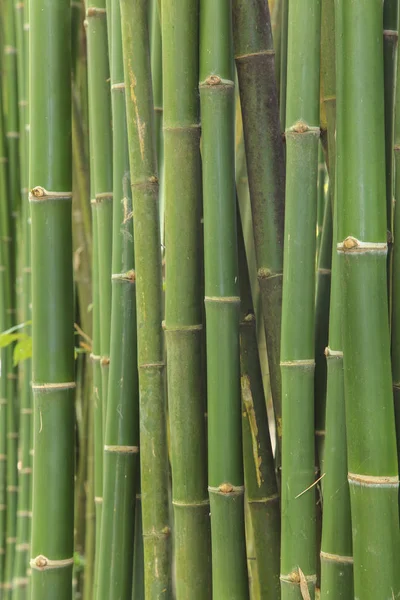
(254, 57)
(336, 544)
(122, 422)
(183, 305)
(138, 556)
(328, 129)
(259, 468)
(284, 63)
(21, 580)
(298, 555)
(10, 103)
(396, 265)
(390, 42)
(5, 273)
(97, 404)
(225, 470)
(52, 300)
(90, 510)
(101, 170)
(144, 182)
(276, 25)
(373, 471)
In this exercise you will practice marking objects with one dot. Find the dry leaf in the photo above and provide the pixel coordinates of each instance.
(304, 586)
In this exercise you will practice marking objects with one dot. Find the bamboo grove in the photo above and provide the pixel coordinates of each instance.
(199, 300)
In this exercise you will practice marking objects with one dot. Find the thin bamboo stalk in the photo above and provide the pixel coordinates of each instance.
(254, 57)
(259, 468)
(183, 305)
(50, 179)
(336, 544)
(298, 555)
(144, 182)
(373, 470)
(90, 506)
(284, 63)
(396, 266)
(138, 554)
(225, 469)
(101, 170)
(390, 42)
(122, 421)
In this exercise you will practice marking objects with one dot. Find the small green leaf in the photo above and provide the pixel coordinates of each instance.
(22, 350)
(8, 338)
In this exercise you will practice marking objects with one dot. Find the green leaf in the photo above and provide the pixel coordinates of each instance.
(22, 350)
(8, 338)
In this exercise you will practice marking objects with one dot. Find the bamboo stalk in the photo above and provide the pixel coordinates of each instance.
(183, 306)
(259, 468)
(373, 472)
(254, 57)
(225, 470)
(101, 171)
(396, 265)
(390, 42)
(138, 556)
(122, 421)
(298, 555)
(144, 182)
(284, 63)
(52, 301)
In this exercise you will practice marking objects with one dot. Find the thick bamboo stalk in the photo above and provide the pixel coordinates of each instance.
(183, 303)
(53, 383)
(373, 469)
(101, 170)
(298, 555)
(254, 57)
(122, 422)
(225, 470)
(144, 182)
(259, 468)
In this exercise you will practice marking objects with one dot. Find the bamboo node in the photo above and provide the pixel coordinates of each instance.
(390, 33)
(227, 489)
(26, 27)
(53, 387)
(128, 276)
(95, 357)
(294, 577)
(104, 361)
(39, 193)
(122, 449)
(213, 80)
(303, 127)
(352, 244)
(240, 57)
(11, 540)
(329, 353)
(26, 411)
(373, 480)
(3, 160)
(10, 50)
(12, 488)
(42, 562)
(155, 365)
(12, 436)
(20, 581)
(3, 457)
(19, 5)
(93, 11)
(223, 299)
(12, 135)
(336, 558)
(3, 401)
(22, 547)
(118, 86)
(98, 500)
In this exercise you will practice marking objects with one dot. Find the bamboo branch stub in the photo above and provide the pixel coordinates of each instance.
(43, 563)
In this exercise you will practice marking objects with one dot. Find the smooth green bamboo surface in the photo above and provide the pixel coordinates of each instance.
(138, 557)
(122, 422)
(52, 300)
(183, 299)
(98, 440)
(225, 469)
(396, 266)
(284, 64)
(5, 356)
(298, 554)
(10, 103)
(101, 170)
(20, 578)
(254, 57)
(144, 182)
(259, 468)
(372, 454)
(390, 42)
(90, 525)
(336, 544)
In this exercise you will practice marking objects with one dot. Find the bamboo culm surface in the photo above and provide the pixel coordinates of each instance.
(145, 190)
(53, 382)
(298, 554)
